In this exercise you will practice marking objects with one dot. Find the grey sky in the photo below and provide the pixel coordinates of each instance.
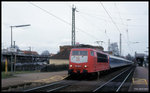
(48, 33)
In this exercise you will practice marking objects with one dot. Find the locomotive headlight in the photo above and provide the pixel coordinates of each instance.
(85, 66)
(70, 65)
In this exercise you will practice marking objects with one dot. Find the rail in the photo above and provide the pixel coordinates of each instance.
(117, 86)
(50, 87)
(40, 87)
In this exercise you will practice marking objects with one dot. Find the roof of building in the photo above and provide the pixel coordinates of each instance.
(139, 55)
(62, 55)
(89, 46)
(29, 52)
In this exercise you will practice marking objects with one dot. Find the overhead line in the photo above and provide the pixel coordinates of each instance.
(61, 19)
(110, 17)
(50, 14)
(124, 24)
(119, 13)
(100, 18)
(89, 22)
(92, 24)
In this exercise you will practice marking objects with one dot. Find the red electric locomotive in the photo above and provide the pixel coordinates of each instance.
(87, 60)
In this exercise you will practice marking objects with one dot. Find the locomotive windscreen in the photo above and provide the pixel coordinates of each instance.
(79, 56)
(84, 53)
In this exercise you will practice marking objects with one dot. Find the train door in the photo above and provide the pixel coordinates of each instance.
(93, 61)
(102, 62)
(98, 62)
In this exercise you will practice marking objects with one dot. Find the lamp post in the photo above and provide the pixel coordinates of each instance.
(16, 27)
(11, 43)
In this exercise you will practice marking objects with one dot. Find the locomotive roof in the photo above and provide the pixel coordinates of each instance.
(88, 48)
(82, 48)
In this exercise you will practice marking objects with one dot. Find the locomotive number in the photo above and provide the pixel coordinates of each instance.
(77, 65)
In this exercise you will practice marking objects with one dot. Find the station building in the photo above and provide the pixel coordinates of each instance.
(141, 58)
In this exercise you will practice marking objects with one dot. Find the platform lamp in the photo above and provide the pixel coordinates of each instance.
(11, 42)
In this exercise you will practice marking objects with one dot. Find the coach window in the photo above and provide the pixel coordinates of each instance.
(92, 53)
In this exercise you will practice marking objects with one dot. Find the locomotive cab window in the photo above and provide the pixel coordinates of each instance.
(75, 52)
(92, 53)
(101, 58)
(84, 53)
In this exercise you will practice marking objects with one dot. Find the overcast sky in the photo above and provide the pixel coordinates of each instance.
(51, 24)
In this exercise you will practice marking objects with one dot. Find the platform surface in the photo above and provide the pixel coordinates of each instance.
(140, 80)
(45, 77)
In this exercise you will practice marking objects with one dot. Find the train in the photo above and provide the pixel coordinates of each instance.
(89, 60)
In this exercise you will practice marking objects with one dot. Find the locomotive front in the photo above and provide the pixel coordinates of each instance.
(79, 61)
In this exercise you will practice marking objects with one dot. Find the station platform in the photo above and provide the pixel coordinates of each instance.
(140, 80)
(40, 77)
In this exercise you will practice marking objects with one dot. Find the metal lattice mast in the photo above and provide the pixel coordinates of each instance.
(73, 25)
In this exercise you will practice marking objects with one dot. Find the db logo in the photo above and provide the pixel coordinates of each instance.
(77, 58)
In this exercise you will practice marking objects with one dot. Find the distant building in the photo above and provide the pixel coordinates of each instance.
(11, 49)
(140, 58)
(114, 48)
(51, 54)
(24, 56)
(45, 53)
(67, 47)
(61, 57)
(4, 50)
(29, 52)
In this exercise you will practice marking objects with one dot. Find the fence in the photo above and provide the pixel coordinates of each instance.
(52, 67)
(32, 67)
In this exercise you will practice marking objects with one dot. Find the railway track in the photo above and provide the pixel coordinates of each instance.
(115, 84)
(51, 87)
(111, 84)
